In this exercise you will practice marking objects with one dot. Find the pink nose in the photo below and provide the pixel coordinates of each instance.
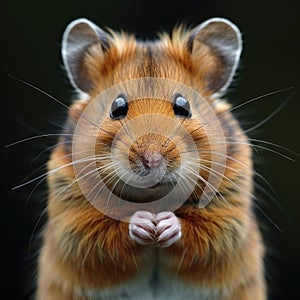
(152, 160)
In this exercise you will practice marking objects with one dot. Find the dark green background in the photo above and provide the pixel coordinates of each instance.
(30, 46)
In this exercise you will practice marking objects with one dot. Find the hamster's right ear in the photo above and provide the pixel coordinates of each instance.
(78, 37)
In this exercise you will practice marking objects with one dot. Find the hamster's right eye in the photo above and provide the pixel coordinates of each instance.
(119, 108)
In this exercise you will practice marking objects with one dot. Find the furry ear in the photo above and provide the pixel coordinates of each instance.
(224, 41)
(78, 37)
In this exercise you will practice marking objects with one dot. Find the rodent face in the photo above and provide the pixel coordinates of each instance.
(149, 140)
(148, 136)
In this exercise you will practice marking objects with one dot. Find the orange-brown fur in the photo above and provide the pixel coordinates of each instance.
(220, 247)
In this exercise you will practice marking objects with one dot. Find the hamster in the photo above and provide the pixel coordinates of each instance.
(151, 182)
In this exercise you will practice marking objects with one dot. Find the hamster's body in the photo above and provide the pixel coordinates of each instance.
(214, 252)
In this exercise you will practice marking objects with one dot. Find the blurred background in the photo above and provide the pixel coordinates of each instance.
(31, 34)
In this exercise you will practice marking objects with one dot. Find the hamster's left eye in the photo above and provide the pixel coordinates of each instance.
(181, 106)
(119, 108)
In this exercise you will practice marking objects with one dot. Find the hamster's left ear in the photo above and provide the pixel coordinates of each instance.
(222, 40)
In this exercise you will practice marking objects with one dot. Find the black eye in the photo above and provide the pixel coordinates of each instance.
(181, 106)
(119, 108)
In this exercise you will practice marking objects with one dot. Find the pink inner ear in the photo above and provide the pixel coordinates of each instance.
(77, 38)
(224, 41)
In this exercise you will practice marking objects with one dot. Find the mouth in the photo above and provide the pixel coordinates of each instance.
(142, 195)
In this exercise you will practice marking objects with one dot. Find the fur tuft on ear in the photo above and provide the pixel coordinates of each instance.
(224, 41)
(78, 37)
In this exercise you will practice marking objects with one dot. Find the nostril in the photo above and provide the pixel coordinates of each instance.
(152, 160)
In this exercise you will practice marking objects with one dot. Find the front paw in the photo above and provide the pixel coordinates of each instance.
(168, 229)
(142, 227)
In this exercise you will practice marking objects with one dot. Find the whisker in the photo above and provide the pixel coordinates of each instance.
(260, 97)
(39, 90)
(184, 182)
(55, 170)
(189, 134)
(61, 103)
(275, 145)
(36, 137)
(75, 179)
(254, 146)
(272, 196)
(246, 166)
(267, 216)
(46, 208)
(211, 187)
(113, 176)
(167, 142)
(104, 178)
(45, 174)
(216, 118)
(127, 129)
(271, 115)
(218, 173)
(51, 97)
(234, 170)
(114, 186)
(125, 183)
(48, 149)
(258, 146)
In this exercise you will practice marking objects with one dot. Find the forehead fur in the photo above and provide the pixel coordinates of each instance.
(175, 43)
(129, 58)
